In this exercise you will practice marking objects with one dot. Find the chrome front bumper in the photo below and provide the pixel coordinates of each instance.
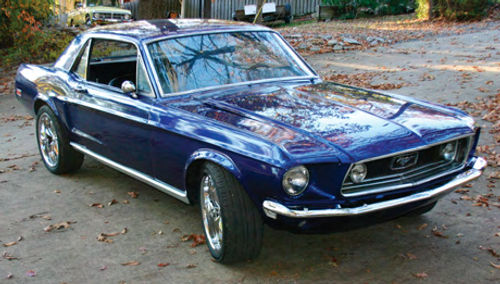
(273, 209)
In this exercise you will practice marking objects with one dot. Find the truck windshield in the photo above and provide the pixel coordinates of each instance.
(109, 3)
(208, 60)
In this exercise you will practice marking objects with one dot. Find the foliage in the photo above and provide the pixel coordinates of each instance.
(453, 9)
(422, 9)
(356, 8)
(21, 35)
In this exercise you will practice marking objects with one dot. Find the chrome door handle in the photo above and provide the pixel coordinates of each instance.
(79, 88)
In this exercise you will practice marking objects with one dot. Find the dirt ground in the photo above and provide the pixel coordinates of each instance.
(457, 242)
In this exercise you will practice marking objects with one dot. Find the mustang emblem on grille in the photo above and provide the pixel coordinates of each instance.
(404, 161)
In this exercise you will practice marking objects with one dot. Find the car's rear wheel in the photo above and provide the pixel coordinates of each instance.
(53, 143)
(231, 223)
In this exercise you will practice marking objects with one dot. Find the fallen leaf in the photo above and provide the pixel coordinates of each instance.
(8, 256)
(462, 190)
(191, 266)
(125, 201)
(131, 263)
(102, 268)
(9, 244)
(497, 266)
(114, 201)
(163, 264)
(57, 191)
(411, 256)
(30, 273)
(98, 205)
(490, 250)
(102, 238)
(58, 226)
(197, 239)
(423, 226)
(497, 234)
(9, 276)
(133, 194)
(421, 275)
(124, 231)
(437, 233)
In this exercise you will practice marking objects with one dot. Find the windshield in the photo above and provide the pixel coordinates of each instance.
(215, 59)
(109, 3)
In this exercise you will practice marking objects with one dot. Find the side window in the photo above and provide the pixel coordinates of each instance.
(112, 62)
(80, 65)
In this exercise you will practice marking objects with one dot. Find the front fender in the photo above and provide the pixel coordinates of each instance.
(216, 157)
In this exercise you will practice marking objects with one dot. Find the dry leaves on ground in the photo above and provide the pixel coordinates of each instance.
(133, 194)
(8, 256)
(197, 239)
(438, 233)
(10, 244)
(131, 263)
(421, 275)
(103, 237)
(58, 226)
(163, 264)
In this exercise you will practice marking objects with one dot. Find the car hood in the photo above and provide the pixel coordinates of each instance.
(328, 118)
(105, 9)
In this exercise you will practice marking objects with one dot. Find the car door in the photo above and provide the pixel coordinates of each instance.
(104, 119)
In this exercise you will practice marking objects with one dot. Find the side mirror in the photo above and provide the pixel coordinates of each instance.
(129, 88)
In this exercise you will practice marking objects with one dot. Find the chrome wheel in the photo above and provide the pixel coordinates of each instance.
(47, 140)
(211, 214)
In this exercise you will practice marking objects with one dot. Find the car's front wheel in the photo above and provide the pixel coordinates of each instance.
(53, 143)
(231, 223)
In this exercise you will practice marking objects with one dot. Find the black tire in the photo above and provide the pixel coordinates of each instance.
(422, 210)
(68, 159)
(242, 224)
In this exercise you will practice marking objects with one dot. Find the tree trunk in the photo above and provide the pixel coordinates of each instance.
(183, 9)
(258, 16)
(153, 9)
(207, 9)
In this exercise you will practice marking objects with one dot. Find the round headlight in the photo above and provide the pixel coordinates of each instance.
(295, 180)
(358, 173)
(127, 17)
(97, 15)
(448, 151)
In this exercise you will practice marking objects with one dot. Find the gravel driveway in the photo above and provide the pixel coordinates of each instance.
(457, 242)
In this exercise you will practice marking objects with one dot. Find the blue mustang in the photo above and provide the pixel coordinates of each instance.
(228, 116)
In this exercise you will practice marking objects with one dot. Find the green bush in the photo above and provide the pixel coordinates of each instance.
(356, 8)
(22, 36)
(456, 10)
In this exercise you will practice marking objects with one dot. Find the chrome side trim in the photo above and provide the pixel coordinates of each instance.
(273, 209)
(166, 188)
(85, 135)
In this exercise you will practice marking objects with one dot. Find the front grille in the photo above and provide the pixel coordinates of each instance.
(383, 175)
(118, 16)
